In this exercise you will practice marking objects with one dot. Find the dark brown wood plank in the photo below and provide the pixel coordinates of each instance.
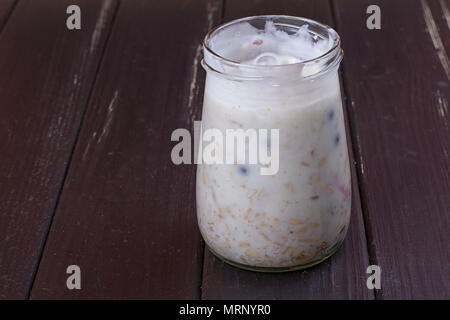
(399, 92)
(6, 8)
(127, 214)
(46, 72)
(343, 275)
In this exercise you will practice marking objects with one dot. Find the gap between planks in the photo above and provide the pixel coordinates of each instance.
(356, 146)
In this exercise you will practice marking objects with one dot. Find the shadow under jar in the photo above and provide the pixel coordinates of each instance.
(274, 72)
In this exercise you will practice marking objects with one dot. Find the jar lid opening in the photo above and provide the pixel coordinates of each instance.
(261, 47)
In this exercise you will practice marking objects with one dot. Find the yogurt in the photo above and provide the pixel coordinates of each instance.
(272, 77)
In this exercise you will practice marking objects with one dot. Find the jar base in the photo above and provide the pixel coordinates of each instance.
(331, 251)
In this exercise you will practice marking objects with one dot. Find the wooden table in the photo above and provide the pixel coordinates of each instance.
(85, 171)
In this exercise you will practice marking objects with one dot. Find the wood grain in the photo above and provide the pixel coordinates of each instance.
(342, 276)
(46, 72)
(6, 8)
(127, 214)
(399, 92)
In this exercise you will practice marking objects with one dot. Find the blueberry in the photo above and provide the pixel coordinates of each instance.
(337, 138)
(330, 115)
(243, 170)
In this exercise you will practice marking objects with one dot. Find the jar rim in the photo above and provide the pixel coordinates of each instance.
(331, 58)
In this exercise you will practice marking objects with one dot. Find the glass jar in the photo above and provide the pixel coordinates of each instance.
(275, 75)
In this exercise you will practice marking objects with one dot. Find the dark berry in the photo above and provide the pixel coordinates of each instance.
(330, 115)
(243, 170)
(337, 138)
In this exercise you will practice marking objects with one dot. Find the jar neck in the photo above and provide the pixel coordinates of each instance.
(225, 67)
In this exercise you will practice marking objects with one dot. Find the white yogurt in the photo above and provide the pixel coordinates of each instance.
(299, 215)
